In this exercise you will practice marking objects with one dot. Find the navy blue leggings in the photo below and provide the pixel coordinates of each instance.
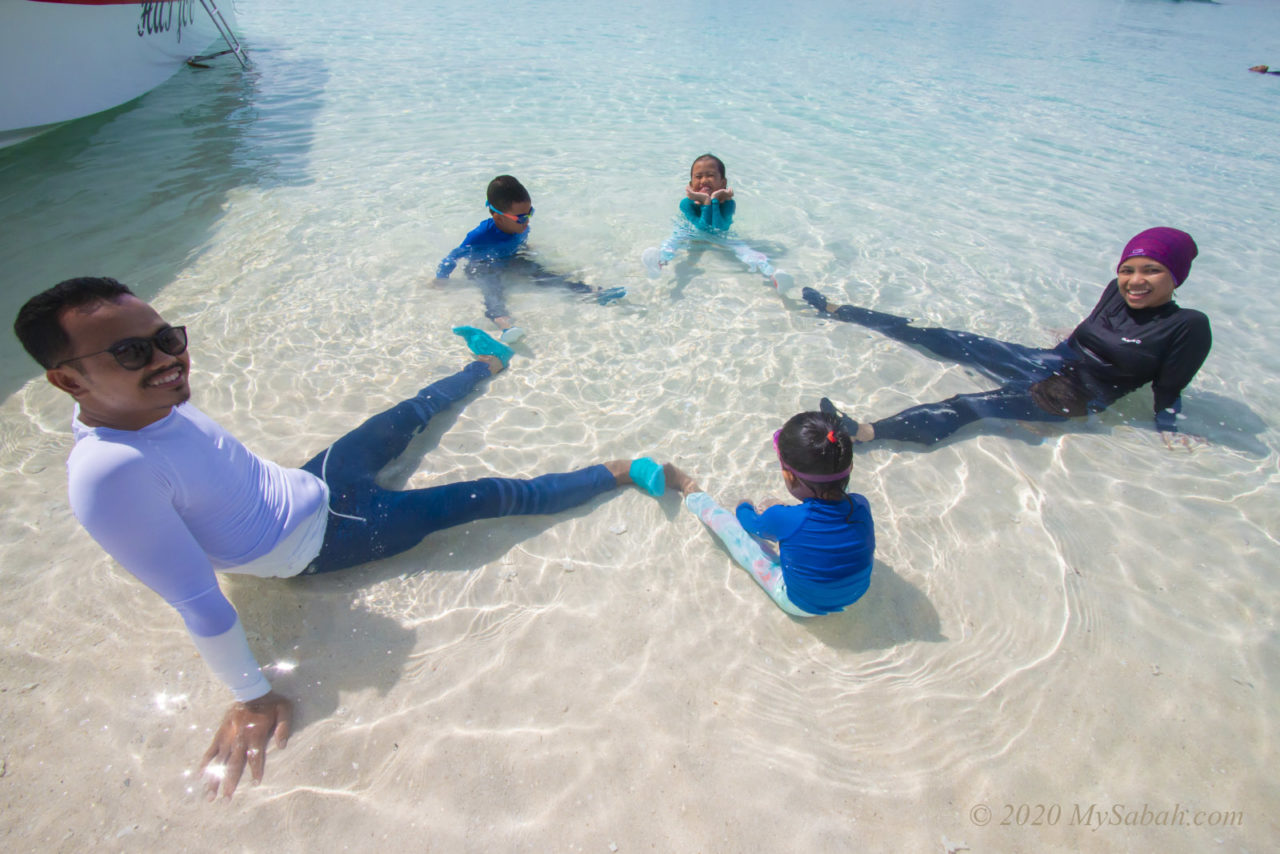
(1015, 366)
(367, 522)
(491, 274)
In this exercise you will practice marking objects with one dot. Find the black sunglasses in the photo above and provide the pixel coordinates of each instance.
(134, 354)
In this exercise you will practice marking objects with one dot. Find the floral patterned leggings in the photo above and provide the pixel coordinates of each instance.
(746, 550)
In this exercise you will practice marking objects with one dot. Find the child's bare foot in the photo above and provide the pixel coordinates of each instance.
(494, 363)
(679, 480)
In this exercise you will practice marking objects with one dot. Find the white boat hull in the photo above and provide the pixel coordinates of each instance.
(65, 60)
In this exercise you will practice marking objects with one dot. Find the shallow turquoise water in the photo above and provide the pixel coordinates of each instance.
(1043, 604)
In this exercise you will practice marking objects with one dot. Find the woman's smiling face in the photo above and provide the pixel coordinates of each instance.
(1145, 283)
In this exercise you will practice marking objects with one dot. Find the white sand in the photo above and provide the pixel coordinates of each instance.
(1083, 621)
(1037, 632)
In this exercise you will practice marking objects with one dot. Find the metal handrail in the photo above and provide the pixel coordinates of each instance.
(224, 30)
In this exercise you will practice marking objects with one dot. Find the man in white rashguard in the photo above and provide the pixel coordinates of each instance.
(175, 498)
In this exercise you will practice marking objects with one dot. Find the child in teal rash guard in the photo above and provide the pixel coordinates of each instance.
(708, 209)
(826, 544)
(492, 252)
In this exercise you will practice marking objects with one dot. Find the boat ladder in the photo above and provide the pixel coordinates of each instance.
(224, 30)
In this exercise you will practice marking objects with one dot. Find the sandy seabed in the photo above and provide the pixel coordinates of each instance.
(1022, 666)
(1070, 639)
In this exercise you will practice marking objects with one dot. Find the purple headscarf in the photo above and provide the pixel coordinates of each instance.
(1172, 248)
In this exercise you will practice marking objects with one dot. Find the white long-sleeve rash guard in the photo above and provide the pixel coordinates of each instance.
(182, 497)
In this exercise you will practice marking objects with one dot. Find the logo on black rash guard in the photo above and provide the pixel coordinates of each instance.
(1131, 340)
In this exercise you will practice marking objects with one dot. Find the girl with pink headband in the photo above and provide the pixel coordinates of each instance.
(826, 543)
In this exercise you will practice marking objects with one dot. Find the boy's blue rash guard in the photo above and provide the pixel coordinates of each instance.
(716, 217)
(486, 240)
(827, 548)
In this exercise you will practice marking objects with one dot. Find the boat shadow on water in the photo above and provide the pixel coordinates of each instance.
(136, 192)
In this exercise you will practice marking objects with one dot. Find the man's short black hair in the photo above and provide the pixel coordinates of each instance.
(505, 191)
(39, 325)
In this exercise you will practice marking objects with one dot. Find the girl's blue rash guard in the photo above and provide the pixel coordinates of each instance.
(826, 548)
(486, 240)
(715, 217)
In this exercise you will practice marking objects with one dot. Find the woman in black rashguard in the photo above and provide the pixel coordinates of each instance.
(1135, 335)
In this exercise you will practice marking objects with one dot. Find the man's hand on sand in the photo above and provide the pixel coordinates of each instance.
(242, 739)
